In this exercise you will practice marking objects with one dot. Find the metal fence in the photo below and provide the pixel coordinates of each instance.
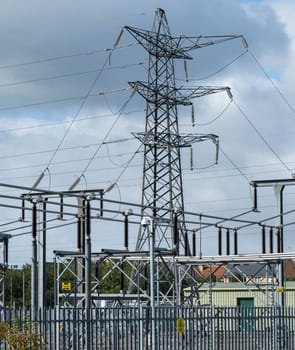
(130, 328)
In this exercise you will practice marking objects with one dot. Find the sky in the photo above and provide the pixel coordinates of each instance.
(54, 54)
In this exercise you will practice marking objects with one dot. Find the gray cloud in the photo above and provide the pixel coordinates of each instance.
(33, 31)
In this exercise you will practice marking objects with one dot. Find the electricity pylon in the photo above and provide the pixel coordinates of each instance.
(162, 188)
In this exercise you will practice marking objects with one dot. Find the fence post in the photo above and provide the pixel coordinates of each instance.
(212, 327)
(141, 335)
(57, 326)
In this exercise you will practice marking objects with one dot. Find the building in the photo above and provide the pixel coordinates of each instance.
(250, 284)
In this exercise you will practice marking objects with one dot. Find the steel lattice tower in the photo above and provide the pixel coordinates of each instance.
(162, 188)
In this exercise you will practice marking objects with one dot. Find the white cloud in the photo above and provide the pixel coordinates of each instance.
(58, 29)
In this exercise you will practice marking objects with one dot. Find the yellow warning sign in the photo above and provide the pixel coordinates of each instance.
(280, 289)
(180, 325)
(66, 286)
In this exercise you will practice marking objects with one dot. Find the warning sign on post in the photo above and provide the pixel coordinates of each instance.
(180, 325)
(66, 286)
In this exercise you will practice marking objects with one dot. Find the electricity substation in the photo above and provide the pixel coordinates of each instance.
(167, 280)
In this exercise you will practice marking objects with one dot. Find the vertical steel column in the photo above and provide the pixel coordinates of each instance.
(88, 277)
(148, 225)
(186, 244)
(34, 268)
(44, 225)
(126, 231)
(41, 253)
(81, 243)
(280, 239)
(194, 243)
(4, 269)
(263, 240)
(219, 241)
(175, 234)
(271, 240)
(152, 285)
(235, 242)
(227, 242)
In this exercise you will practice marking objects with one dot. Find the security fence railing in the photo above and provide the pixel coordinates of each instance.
(180, 327)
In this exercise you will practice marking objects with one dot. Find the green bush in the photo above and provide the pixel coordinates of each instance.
(25, 338)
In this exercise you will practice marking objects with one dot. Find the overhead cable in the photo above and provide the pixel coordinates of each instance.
(127, 164)
(56, 58)
(214, 119)
(272, 83)
(47, 229)
(262, 137)
(66, 148)
(77, 113)
(67, 75)
(73, 120)
(106, 136)
(64, 122)
(217, 71)
(233, 164)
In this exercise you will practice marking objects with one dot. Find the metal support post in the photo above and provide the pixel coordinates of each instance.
(81, 242)
(41, 253)
(4, 269)
(88, 277)
(24, 289)
(34, 276)
(278, 188)
(148, 224)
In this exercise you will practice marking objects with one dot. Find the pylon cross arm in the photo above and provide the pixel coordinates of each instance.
(188, 43)
(173, 140)
(165, 94)
(159, 44)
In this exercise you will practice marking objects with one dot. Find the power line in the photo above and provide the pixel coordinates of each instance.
(56, 58)
(234, 165)
(214, 119)
(217, 71)
(58, 100)
(66, 148)
(262, 137)
(107, 134)
(77, 113)
(64, 122)
(47, 229)
(127, 164)
(72, 161)
(68, 75)
(283, 97)
(122, 166)
(186, 170)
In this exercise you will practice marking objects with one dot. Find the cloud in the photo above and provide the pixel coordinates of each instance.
(51, 92)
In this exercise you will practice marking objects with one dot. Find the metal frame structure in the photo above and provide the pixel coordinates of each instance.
(157, 275)
(189, 284)
(162, 178)
(278, 186)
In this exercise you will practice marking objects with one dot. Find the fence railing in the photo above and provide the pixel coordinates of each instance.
(129, 328)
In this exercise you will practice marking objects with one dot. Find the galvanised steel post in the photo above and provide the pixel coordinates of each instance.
(278, 188)
(148, 225)
(88, 277)
(34, 271)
